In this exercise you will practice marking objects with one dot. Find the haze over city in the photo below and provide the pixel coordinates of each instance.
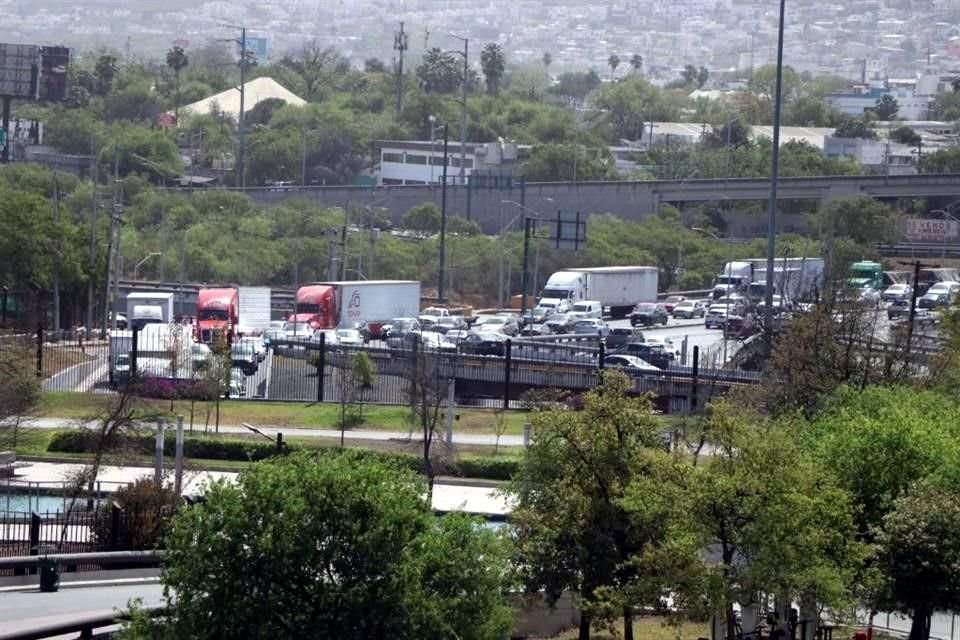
(888, 37)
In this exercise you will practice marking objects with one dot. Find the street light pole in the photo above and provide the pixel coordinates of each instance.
(774, 175)
(137, 266)
(726, 311)
(529, 222)
(443, 217)
(463, 110)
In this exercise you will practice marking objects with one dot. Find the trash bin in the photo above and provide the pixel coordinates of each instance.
(49, 574)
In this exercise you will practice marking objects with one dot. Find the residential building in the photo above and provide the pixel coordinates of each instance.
(421, 162)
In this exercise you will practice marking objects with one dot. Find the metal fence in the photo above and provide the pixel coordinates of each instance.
(486, 374)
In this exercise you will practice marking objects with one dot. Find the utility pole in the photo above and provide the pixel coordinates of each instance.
(400, 45)
(241, 149)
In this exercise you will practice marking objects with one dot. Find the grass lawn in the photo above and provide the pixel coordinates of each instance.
(63, 404)
(649, 628)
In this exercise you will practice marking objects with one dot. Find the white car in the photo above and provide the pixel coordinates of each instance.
(897, 292)
(500, 324)
(629, 364)
(667, 345)
(349, 337)
(330, 337)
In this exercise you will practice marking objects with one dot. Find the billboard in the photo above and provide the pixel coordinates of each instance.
(257, 46)
(19, 69)
(927, 230)
(32, 72)
(53, 73)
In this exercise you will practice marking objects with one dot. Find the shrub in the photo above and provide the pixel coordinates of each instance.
(146, 511)
(483, 467)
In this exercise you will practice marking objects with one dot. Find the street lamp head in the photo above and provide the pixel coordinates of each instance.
(432, 118)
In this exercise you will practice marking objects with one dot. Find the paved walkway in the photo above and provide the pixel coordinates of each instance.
(350, 434)
(447, 496)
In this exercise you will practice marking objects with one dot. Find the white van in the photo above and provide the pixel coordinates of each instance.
(588, 308)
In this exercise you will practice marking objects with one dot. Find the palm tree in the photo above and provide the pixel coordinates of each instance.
(177, 60)
(493, 64)
(547, 60)
(614, 62)
(636, 62)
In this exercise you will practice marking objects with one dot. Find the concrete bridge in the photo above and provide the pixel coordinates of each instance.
(630, 200)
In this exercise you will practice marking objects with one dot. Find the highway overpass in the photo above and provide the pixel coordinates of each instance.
(632, 200)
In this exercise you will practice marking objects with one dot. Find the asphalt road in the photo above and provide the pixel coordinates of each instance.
(280, 377)
(21, 611)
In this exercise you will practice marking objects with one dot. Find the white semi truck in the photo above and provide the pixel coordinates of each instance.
(796, 279)
(149, 307)
(617, 289)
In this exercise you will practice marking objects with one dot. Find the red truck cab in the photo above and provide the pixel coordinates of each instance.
(217, 310)
(316, 305)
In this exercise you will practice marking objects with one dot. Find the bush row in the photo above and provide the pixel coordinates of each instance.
(483, 467)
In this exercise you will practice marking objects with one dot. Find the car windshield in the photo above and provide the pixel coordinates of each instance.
(346, 333)
(297, 327)
(645, 306)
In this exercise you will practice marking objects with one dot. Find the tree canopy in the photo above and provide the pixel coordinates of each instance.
(342, 545)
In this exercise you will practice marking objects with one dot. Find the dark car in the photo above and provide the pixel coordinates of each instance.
(655, 354)
(898, 309)
(648, 314)
(620, 336)
(244, 357)
(449, 323)
(562, 322)
(486, 343)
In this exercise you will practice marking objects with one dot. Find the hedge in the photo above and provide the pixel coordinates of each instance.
(482, 467)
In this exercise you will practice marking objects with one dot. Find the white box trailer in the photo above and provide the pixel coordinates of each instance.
(254, 315)
(618, 289)
(375, 301)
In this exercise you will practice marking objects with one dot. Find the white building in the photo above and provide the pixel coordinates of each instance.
(421, 162)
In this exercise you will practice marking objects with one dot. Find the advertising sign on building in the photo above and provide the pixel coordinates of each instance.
(926, 230)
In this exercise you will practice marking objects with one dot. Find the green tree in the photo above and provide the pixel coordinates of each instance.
(423, 218)
(374, 65)
(941, 161)
(558, 162)
(319, 69)
(493, 63)
(879, 440)
(547, 60)
(636, 61)
(576, 84)
(177, 60)
(105, 71)
(905, 135)
(855, 128)
(918, 552)
(571, 528)
(777, 520)
(887, 107)
(439, 71)
(614, 62)
(19, 392)
(338, 545)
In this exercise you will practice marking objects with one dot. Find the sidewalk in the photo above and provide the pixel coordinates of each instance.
(487, 439)
(454, 496)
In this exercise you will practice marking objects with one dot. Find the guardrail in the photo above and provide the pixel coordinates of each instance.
(920, 250)
(83, 623)
(129, 559)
